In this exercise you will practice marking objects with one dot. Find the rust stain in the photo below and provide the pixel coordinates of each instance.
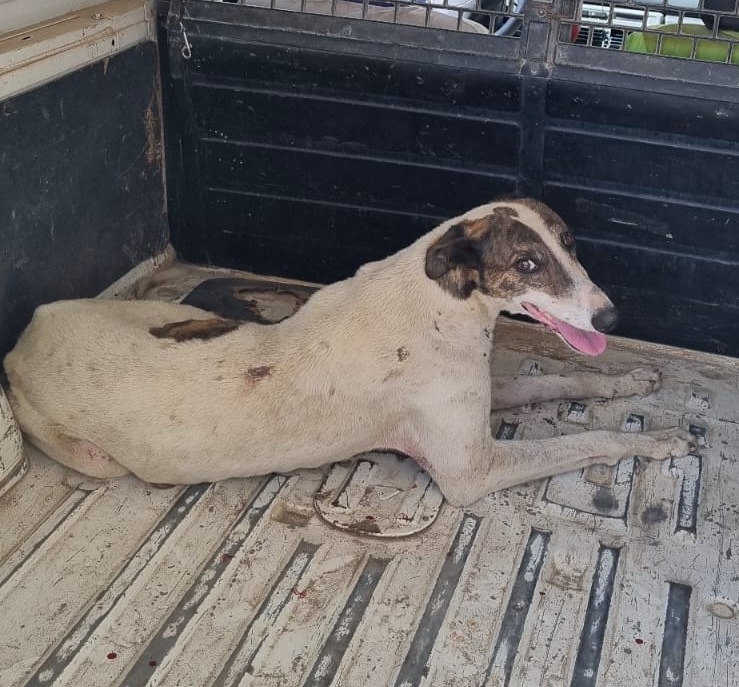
(367, 525)
(153, 150)
(292, 514)
(566, 578)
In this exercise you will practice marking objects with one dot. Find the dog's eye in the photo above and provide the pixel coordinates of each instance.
(526, 266)
(568, 240)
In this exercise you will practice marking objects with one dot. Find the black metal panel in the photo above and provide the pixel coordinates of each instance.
(643, 164)
(325, 177)
(278, 235)
(648, 221)
(646, 111)
(81, 196)
(309, 69)
(284, 142)
(315, 144)
(296, 118)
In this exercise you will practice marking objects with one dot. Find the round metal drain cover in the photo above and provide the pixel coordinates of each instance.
(379, 495)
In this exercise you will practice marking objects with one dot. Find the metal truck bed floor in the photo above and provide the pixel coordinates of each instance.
(614, 577)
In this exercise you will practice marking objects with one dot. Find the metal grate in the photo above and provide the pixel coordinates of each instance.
(704, 30)
(493, 17)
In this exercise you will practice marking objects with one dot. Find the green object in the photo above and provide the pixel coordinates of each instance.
(707, 48)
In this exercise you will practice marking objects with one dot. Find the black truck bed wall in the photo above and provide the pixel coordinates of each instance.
(81, 191)
(304, 146)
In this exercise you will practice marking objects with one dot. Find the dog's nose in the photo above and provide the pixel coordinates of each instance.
(605, 320)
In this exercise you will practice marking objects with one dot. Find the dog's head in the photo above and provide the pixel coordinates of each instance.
(521, 253)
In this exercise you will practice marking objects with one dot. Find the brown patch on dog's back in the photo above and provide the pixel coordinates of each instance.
(403, 354)
(256, 374)
(194, 329)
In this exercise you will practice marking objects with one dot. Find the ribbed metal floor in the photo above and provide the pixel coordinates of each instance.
(609, 577)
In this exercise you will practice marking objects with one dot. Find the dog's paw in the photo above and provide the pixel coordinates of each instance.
(670, 443)
(640, 381)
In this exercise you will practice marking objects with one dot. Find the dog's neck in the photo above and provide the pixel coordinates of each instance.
(399, 282)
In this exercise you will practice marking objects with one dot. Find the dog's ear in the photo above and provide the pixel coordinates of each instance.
(453, 250)
(455, 261)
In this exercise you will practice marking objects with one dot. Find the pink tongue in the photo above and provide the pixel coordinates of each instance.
(589, 343)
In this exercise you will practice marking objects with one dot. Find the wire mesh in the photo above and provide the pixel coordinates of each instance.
(684, 29)
(502, 18)
(704, 30)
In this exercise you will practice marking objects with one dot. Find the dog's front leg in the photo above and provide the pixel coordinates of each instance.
(509, 392)
(497, 465)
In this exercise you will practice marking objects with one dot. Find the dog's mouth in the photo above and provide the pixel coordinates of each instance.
(588, 343)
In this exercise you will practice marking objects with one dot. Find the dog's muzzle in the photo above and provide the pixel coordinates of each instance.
(605, 320)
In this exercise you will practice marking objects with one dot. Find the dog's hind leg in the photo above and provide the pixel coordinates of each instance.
(509, 392)
(57, 442)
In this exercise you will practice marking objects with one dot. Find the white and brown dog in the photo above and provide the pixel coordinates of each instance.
(394, 358)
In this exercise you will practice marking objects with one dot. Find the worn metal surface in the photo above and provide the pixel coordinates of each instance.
(608, 577)
(13, 463)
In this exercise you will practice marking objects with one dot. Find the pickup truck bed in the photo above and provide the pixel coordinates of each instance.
(608, 577)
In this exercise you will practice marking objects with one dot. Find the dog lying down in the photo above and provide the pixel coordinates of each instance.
(394, 358)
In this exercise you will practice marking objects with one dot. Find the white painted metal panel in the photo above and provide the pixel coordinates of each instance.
(33, 55)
